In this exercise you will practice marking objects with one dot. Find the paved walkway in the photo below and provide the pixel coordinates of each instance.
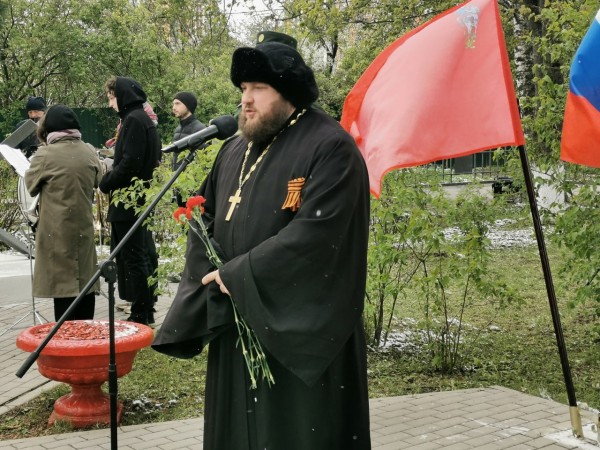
(490, 418)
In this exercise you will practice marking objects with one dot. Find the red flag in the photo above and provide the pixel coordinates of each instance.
(441, 91)
(580, 143)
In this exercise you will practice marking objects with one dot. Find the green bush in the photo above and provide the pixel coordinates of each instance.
(435, 249)
(10, 213)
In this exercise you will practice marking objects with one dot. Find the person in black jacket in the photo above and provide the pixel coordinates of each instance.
(36, 108)
(184, 106)
(137, 153)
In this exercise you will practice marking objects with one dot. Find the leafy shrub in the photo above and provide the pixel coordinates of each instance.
(426, 245)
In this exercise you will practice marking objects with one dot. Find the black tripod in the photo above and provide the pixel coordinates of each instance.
(222, 128)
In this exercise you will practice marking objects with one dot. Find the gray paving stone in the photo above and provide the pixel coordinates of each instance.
(426, 446)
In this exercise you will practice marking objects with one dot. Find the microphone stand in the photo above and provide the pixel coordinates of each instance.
(108, 270)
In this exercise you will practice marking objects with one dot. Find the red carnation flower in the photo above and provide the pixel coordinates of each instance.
(196, 201)
(181, 211)
(254, 355)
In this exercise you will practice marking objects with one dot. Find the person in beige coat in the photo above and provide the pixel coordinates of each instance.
(64, 171)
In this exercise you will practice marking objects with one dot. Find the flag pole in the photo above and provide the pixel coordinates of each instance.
(560, 341)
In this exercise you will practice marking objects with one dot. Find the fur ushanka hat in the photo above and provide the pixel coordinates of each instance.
(278, 65)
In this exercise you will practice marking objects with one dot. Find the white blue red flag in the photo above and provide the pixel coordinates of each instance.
(580, 143)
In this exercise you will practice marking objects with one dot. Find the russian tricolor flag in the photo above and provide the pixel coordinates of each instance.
(580, 142)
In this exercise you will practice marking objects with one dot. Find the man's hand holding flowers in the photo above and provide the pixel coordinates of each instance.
(254, 356)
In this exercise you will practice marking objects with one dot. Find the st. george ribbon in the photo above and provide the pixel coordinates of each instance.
(220, 127)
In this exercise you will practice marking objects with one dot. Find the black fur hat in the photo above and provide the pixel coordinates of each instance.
(278, 65)
(274, 36)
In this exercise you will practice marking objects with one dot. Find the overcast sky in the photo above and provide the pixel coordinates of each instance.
(242, 19)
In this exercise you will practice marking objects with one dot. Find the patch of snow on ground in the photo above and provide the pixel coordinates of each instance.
(566, 438)
(501, 238)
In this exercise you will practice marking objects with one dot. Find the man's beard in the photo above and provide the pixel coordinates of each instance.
(180, 116)
(264, 128)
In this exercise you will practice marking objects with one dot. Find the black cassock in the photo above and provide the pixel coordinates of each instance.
(298, 279)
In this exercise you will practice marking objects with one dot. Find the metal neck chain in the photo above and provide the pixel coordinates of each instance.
(243, 178)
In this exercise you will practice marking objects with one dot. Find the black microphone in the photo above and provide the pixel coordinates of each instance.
(220, 127)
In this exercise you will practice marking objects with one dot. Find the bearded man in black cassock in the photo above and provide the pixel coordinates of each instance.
(287, 202)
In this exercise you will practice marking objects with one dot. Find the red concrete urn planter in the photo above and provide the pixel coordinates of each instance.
(78, 354)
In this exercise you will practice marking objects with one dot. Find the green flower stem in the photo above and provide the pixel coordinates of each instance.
(252, 351)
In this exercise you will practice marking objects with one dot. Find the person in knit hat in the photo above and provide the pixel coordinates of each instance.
(287, 206)
(64, 172)
(35, 107)
(184, 106)
(189, 100)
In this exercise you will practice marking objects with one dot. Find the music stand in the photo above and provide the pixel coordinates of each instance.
(20, 134)
(102, 230)
(20, 163)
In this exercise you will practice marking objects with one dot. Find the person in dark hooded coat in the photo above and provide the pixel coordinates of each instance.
(287, 204)
(137, 153)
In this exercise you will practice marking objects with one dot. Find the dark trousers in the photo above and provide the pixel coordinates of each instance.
(83, 311)
(133, 269)
(153, 260)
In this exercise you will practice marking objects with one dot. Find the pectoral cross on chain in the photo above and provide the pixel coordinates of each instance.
(233, 200)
